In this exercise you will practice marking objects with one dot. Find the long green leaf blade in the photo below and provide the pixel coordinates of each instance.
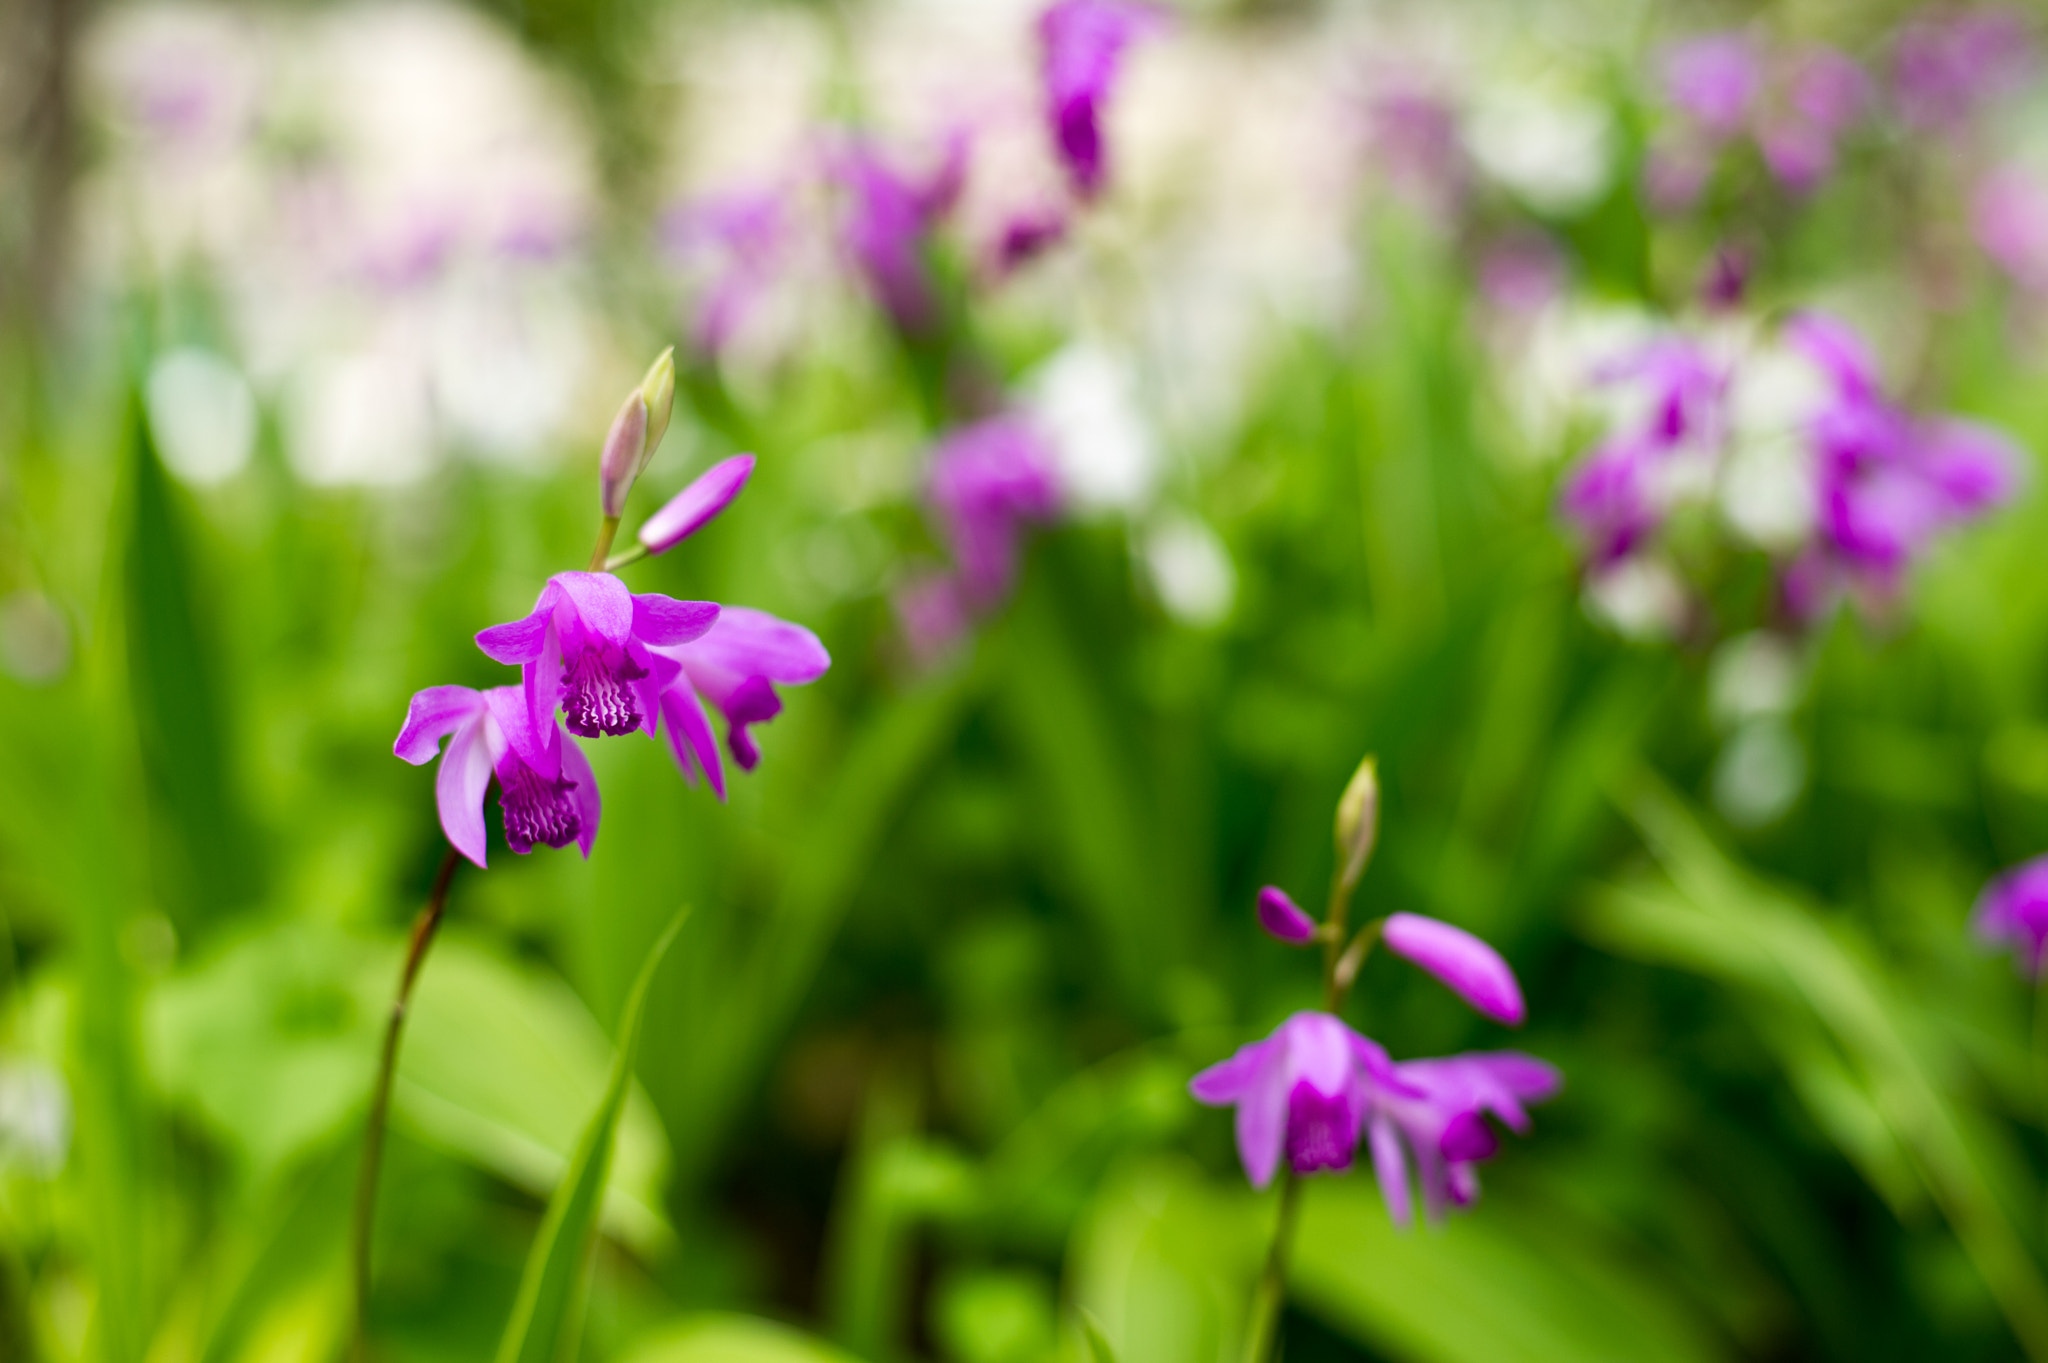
(544, 1315)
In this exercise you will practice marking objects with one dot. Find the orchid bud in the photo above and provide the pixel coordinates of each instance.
(689, 510)
(624, 453)
(658, 391)
(1358, 820)
(1283, 919)
(1464, 962)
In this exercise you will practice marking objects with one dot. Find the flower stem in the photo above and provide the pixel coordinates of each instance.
(607, 530)
(1272, 1292)
(624, 557)
(380, 1099)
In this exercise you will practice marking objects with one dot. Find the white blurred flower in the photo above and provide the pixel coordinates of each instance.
(202, 415)
(360, 418)
(1752, 676)
(1086, 401)
(35, 1117)
(1190, 569)
(1555, 150)
(1759, 774)
(1639, 597)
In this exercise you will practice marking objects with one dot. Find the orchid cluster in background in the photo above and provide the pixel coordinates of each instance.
(1311, 1093)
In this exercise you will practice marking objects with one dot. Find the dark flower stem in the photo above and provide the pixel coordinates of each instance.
(423, 928)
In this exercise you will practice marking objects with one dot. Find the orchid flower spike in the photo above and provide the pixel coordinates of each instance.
(585, 647)
(1469, 966)
(545, 786)
(1304, 1092)
(690, 510)
(736, 666)
(1435, 1110)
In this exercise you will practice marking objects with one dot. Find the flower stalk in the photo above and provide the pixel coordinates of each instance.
(423, 929)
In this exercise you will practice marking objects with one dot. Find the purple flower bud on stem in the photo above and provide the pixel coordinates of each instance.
(691, 509)
(620, 463)
(1283, 919)
(1469, 966)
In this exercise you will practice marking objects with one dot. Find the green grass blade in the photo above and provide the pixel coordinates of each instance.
(1098, 1345)
(543, 1319)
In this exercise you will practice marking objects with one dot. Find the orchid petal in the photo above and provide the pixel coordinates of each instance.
(433, 714)
(576, 767)
(537, 745)
(1468, 965)
(1390, 1167)
(754, 643)
(1227, 1081)
(522, 640)
(460, 785)
(690, 510)
(690, 735)
(661, 619)
(600, 603)
(1262, 1124)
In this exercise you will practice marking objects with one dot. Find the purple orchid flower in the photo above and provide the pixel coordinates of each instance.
(1435, 1110)
(1025, 237)
(736, 666)
(545, 786)
(889, 217)
(2013, 912)
(739, 239)
(1083, 44)
(2010, 214)
(1474, 970)
(585, 647)
(1714, 80)
(1615, 494)
(1887, 481)
(1947, 67)
(1304, 1091)
(934, 614)
(987, 480)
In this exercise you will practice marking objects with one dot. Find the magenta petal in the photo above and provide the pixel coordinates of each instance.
(576, 767)
(1283, 919)
(519, 641)
(538, 746)
(690, 736)
(691, 509)
(460, 785)
(1390, 1166)
(1228, 1081)
(601, 602)
(661, 619)
(1468, 965)
(1467, 1137)
(751, 643)
(1262, 1123)
(434, 714)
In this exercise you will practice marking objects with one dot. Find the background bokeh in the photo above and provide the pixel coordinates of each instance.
(316, 314)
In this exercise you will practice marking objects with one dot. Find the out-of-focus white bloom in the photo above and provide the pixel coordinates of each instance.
(35, 638)
(1753, 675)
(508, 349)
(1767, 490)
(1550, 379)
(1760, 773)
(361, 418)
(35, 1117)
(1639, 597)
(1191, 570)
(1085, 400)
(1554, 150)
(202, 415)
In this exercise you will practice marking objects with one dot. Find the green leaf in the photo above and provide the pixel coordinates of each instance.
(544, 1317)
(1091, 1330)
(721, 1338)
